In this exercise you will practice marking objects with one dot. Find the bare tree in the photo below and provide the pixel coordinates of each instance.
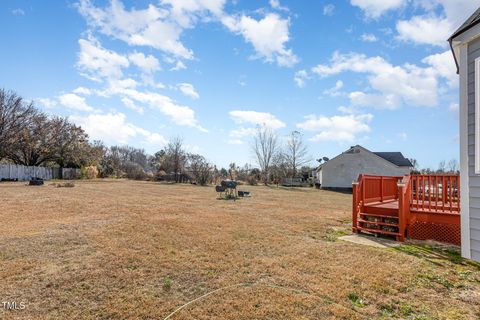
(200, 168)
(265, 146)
(35, 143)
(296, 153)
(176, 156)
(125, 161)
(441, 166)
(232, 170)
(15, 117)
(280, 168)
(453, 166)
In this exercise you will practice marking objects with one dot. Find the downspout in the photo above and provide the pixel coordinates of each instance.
(453, 53)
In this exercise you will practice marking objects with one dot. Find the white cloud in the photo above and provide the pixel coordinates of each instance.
(157, 26)
(444, 66)
(18, 12)
(268, 37)
(368, 37)
(328, 9)
(375, 8)
(345, 128)
(148, 64)
(181, 115)
(248, 121)
(235, 141)
(457, 11)
(131, 105)
(351, 62)
(432, 28)
(155, 139)
(187, 12)
(275, 4)
(300, 78)
(83, 91)
(242, 132)
(74, 102)
(113, 128)
(390, 85)
(161, 27)
(335, 91)
(47, 102)
(381, 101)
(147, 27)
(256, 118)
(178, 66)
(188, 90)
(349, 110)
(98, 63)
(425, 30)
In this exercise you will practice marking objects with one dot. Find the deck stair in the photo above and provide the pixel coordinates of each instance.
(378, 220)
(414, 206)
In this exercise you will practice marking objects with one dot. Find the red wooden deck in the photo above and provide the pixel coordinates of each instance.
(419, 206)
(414, 206)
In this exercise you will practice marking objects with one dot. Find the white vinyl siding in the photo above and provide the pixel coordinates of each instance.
(473, 145)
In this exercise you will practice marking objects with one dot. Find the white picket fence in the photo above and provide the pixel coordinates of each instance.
(25, 173)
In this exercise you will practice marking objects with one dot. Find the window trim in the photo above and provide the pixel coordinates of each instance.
(477, 115)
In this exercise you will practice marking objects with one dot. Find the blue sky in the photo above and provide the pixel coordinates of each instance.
(375, 73)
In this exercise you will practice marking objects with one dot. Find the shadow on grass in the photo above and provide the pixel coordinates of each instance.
(437, 254)
(229, 198)
(297, 189)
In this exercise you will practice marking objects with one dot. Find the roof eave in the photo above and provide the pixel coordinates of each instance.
(459, 32)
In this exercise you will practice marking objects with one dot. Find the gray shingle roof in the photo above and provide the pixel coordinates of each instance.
(396, 158)
(470, 22)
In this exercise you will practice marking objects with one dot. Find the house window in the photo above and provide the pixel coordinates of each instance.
(477, 116)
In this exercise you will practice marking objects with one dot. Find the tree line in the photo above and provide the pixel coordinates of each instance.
(444, 167)
(30, 137)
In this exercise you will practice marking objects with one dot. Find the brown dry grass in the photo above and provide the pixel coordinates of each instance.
(137, 250)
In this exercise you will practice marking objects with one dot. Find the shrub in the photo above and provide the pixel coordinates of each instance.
(91, 172)
(252, 180)
(134, 171)
(167, 283)
(356, 300)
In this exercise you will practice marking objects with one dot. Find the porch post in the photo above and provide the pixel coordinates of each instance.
(354, 206)
(381, 189)
(401, 211)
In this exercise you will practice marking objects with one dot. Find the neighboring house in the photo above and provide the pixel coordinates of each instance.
(465, 45)
(341, 171)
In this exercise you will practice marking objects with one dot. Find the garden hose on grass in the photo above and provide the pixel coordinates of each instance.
(252, 284)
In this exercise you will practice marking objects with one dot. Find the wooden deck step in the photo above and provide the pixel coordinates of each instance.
(379, 223)
(379, 215)
(378, 231)
(380, 210)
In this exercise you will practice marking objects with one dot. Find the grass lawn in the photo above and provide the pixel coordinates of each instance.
(115, 249)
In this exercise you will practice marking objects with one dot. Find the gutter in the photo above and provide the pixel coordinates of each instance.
(460, 31)
(454, 56)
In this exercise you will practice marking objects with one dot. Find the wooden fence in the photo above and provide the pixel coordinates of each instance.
(25, 173)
